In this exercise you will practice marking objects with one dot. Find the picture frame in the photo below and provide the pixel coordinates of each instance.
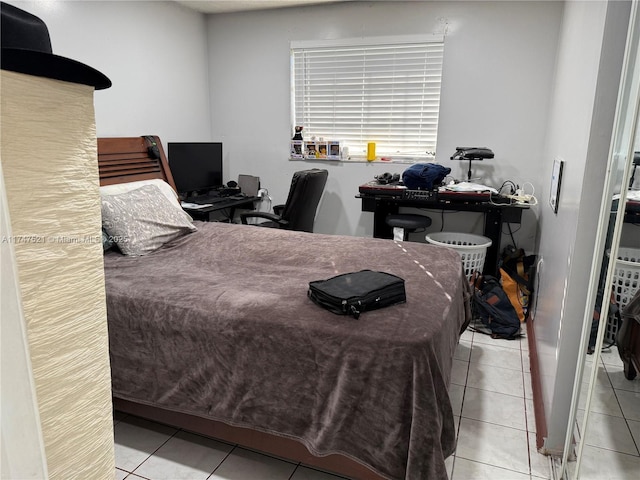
(556, 182)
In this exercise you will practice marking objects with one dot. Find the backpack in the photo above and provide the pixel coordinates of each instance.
(516, 274)
(492, 307)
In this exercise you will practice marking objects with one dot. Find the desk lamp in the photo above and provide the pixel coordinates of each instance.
(472, 153)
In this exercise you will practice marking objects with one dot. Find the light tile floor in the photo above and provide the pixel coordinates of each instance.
(612, 440)
(491, 397)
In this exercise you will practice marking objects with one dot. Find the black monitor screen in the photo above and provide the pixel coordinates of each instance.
(196, 167)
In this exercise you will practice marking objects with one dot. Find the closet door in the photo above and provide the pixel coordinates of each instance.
(592, 388)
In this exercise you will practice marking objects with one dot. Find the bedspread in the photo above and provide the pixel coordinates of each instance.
(218, 324)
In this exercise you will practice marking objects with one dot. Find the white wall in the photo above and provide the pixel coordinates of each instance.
(154, 52)
(497, 77)
(579, 131)
(495, 92)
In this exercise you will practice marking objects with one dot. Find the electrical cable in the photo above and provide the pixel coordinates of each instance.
(442, 212)
(513, 240)
(533, 190)
(522, 197)
(514, 187)
(501, 202)
(447, 182)
(517, 195)
(514, 231)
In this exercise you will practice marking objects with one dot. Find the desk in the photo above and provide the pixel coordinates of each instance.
(208, 214)
(383, 200)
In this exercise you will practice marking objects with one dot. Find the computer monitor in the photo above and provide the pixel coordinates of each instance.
(196, 166)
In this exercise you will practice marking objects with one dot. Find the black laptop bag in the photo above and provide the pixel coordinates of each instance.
(357, 292)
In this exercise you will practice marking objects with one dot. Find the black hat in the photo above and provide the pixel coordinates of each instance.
(26, 48)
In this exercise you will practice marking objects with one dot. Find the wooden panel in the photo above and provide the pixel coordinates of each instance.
(286, 448)
(127, 159)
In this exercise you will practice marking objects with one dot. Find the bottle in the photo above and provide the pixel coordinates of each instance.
(371, 151)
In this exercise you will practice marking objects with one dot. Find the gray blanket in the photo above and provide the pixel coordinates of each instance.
(218, 324)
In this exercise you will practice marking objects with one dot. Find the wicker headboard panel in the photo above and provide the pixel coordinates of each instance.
(127, 159)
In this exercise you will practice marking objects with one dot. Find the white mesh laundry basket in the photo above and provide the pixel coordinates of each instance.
(472, 248)
(626, 281)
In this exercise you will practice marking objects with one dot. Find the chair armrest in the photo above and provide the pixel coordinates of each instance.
(266, 215)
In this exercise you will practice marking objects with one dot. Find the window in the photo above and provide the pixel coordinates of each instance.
(384, 90)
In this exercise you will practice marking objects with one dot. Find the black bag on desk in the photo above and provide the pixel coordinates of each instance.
(357, 292)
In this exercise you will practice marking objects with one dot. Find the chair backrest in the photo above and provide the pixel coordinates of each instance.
(304, 196)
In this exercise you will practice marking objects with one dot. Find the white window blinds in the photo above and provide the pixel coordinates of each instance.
(381, 91)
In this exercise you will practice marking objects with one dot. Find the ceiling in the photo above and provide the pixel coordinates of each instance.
(223, 6)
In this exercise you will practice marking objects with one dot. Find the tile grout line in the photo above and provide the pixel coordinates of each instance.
(615, 393)
(294, 471)
(464, 392)
(222, 461)
(524, 399)
(153, 453)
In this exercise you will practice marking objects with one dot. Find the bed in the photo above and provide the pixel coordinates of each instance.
(213, 332)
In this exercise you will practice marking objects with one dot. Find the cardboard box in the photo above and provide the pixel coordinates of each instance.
(333, 150)
(321, 150)
(297, 149)
(310, 149)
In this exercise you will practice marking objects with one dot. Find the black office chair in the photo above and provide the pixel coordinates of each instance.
(408, 222)
(299, 212)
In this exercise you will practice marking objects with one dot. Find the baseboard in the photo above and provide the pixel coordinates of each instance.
(536, 386)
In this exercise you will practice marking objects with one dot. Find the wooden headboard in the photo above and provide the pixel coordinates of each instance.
(129, 159)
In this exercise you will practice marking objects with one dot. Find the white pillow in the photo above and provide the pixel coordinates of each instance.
(164, 187)
(142, 220)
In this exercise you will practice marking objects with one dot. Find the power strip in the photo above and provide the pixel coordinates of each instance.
(521, 197)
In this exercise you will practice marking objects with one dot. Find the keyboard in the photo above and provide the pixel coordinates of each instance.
(215, 199)
(202, 199)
